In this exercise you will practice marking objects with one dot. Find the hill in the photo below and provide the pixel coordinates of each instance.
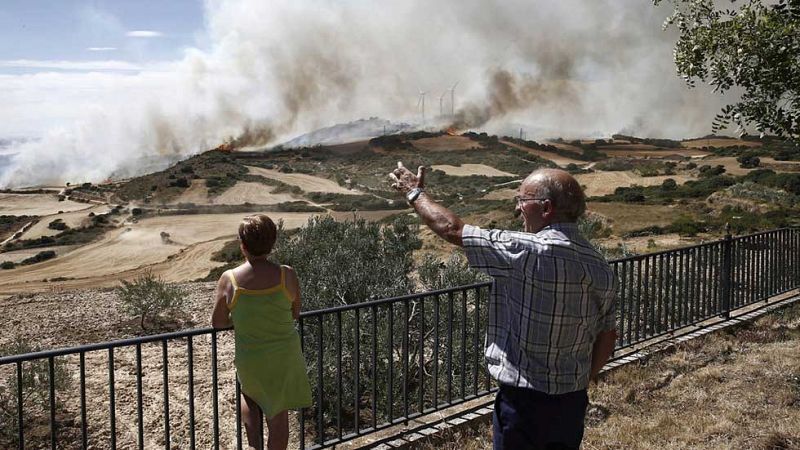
(188, 211)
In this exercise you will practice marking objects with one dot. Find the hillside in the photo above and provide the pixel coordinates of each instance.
(644, 194)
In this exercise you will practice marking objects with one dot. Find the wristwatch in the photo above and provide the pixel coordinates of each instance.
(413, 194)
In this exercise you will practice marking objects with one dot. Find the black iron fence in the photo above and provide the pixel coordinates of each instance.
(372, 365)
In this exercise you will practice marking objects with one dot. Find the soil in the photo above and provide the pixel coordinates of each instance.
(36, 205)
(308, 183)
(446, 142)
(602, 183)
(719, 143)
(557, 159)
(466, 170)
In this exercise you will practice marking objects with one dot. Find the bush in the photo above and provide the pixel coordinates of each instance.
(57, 224)
(39, 257)
(748, 161)
(7, 265)
(454, 271)
(707, 171)
(149, 297)
(35, 392)
(669, 185)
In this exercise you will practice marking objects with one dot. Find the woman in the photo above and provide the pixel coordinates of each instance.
(262, 300)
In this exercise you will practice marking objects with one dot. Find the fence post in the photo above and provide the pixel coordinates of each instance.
(725, 275)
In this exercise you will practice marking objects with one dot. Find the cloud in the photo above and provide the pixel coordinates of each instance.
(112, 65)
(101, 49)
(144, 34)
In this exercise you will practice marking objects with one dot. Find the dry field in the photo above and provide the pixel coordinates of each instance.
(254, 193)
(557, 159)
(602, 183)
(197, 193)
(719, 143)
(638, 151)
(446, 142)
(466, 170)
(567, 147)
(308, 183)
(735, 389)
(625, 217)
(74, 219)
(121, 252)
(36, 205)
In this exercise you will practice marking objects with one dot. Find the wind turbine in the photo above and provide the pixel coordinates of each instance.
(441, 99)
(421, 101)
(452, 100)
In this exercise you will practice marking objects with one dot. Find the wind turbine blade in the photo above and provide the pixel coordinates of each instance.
(419, 100)
(454, 86)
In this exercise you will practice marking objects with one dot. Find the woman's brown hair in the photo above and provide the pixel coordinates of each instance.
(258, 233)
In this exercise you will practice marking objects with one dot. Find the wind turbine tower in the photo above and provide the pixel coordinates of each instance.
(453, 100)
(441, 99)
(421, 102)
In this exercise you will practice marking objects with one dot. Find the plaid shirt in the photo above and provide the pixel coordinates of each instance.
(552, 295)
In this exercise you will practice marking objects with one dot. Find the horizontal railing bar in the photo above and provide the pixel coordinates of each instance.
(108, 345)
(383, 301)
(198, 331)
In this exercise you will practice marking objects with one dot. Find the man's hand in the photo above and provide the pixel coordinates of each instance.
(403, 180)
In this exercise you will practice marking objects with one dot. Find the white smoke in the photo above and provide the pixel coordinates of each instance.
(283, 67)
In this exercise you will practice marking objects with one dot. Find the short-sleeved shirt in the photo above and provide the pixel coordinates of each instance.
(553, 293)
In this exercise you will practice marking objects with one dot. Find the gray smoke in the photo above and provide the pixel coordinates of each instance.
(281, 68)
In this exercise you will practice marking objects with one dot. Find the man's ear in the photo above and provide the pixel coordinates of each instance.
(548, 209)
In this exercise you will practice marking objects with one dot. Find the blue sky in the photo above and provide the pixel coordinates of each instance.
(97, 30)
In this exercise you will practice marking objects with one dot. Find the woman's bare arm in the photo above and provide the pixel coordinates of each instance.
(293, 286)
(221, 318)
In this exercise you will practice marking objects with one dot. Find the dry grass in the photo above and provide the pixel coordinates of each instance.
(736, 389)
(446, 142)
(625, 217)
(719, 143)
(556, 158)
(603, 183)
(36, 205)
(465, 170)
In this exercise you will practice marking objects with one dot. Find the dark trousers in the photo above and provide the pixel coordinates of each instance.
(528, 419)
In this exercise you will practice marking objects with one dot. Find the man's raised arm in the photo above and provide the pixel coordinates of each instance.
(441, 220)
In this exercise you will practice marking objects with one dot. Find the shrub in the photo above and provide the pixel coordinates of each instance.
(669, 185)
(39, 257)
(7, 265)
(35, 388)
(748, 161)
(707, 171)
(57, 224)
(435, 274)
(150, 297)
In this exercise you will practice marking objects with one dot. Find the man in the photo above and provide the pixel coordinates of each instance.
(551, 324)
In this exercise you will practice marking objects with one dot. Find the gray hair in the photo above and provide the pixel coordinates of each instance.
(562, 190)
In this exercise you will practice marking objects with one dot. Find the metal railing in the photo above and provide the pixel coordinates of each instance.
(371, 365)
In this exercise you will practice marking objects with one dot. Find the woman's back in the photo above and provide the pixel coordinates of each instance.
(261, 314)
(268, 356)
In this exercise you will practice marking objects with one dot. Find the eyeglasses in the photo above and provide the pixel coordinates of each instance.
(519, 199)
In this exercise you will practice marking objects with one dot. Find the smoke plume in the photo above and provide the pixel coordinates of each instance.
(280, 68)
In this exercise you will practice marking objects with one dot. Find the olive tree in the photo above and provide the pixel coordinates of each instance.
(753, 47)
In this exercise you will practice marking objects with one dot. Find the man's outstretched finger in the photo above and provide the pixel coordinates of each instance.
(420, 176)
